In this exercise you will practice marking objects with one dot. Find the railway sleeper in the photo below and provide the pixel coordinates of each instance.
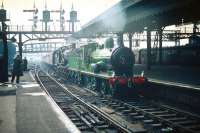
(75, 119)
(67, 110)
(104, 100)
(81, 112)
(138, 117)
(187, 122)
(194, 127)
(79, 124)
(148, 121)
(103, 126)
(159, 112)
(120, 108)
(150, 109)
(115, 105)
(132, 114)
(84, 128)
(90, 119)
(96, 119)
(86, 121)
(71, 115)
(61, 99)
(156, 125)
(100, 123)
(113, 102)
(83, 119)
(152, 124)
(177, 119)
(60, 95)
(142, 107)
(146, 107)
(60, 102)
(167, 115)
(126, 111)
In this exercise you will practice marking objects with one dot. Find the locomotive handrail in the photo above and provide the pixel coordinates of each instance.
(104, 76)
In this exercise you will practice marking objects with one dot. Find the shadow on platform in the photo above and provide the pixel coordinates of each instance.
(176, 74)
(7, 92)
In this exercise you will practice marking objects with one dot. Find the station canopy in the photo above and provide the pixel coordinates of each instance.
(135, 15)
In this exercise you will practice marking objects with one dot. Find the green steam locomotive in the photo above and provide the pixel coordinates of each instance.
(103, 68)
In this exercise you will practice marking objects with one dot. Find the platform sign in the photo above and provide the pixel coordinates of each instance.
(2, 15)
(73, 15)
(46, 16)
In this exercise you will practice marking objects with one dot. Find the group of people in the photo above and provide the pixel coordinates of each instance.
(19, 66)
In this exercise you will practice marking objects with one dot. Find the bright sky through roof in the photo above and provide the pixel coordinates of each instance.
(87, 9)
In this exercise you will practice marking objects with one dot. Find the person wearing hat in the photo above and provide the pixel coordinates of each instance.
(25, 63)
(17, 69)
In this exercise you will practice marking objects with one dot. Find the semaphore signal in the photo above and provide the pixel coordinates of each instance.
(35, 16)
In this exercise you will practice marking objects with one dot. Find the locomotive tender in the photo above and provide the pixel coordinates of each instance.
(107, 70)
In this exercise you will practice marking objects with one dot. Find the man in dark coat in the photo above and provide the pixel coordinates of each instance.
(25, 63)
(17, 69)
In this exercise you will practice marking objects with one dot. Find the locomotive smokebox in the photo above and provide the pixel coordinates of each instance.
(122, 61)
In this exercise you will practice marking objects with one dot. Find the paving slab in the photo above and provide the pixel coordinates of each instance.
(7, 109)
(181, 76)
(25, 108)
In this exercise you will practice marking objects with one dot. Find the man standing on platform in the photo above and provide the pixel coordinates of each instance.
(17, 69)
(25, 63)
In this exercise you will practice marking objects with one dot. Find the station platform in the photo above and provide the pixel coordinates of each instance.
(25, 108)
(187, 77)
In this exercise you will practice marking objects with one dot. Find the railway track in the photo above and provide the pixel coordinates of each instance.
(85, 116)
(151, 116)
(155, 116)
